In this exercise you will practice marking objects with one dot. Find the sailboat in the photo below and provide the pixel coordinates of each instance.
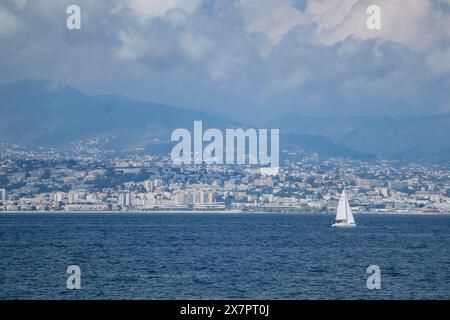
(344, 216)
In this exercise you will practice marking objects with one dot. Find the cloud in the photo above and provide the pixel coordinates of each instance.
(274, 19)
(439, 62)
(328, 14)
(132, 47)
(195, 47)
(245, 58)
(20, 4)
(9, 23)
(146, 10)
(415, 23)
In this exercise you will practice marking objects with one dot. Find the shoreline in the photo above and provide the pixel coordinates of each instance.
(230, 212)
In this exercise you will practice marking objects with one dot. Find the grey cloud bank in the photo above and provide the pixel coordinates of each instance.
(251, 60)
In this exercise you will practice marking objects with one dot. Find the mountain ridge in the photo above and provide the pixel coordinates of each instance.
(414, 137)
(41, 113)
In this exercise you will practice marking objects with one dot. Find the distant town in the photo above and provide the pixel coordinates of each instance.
(90, 180)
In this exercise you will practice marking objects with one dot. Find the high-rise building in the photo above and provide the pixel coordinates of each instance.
(73, 197)
(196, 197)
(148, 185)
(157, 183)
(58, 196)
(210, 197)
(151, 185)
(124, 199)
(199, 197)
(2, 195)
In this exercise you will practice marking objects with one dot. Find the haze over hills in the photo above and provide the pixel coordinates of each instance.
(425, 137)
(41, 113)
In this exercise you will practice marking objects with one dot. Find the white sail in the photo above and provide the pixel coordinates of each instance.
(341, 214)
(344, 216)
(348, 212)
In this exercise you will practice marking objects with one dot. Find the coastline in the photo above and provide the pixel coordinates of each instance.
(230, 212)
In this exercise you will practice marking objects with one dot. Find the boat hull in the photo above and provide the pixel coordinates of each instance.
(343, 225)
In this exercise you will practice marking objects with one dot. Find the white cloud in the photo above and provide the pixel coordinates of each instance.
(415, 23)
(9, 23)
(146, 10)
(195, 47)
(223, 66)
(132, 46)
(274, 19)
(258, 53)
(329, 13)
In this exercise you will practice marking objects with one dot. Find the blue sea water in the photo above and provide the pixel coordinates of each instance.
(223, 256)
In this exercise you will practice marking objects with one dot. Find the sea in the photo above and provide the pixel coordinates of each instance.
(223, 256)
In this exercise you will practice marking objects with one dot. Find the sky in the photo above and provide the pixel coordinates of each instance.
(252, 60)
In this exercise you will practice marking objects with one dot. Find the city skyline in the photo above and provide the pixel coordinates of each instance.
(306, 182)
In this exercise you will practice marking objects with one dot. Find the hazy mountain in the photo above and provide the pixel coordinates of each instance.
(41, 113)
(401, 136)
(305, 142)
(321, 145)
